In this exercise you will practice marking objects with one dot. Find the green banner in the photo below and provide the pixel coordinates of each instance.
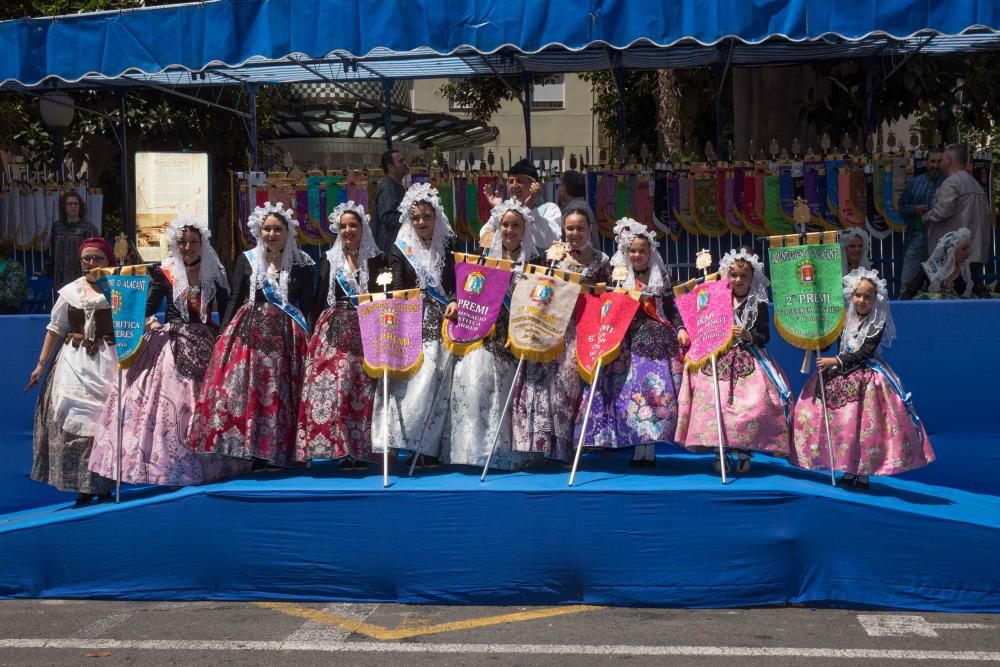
(808, 297)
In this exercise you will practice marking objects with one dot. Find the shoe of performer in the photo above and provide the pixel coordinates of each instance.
(430, 461)
(345, 464)
(83, 499)
(105, 497)
(359, 465)
(717, 464)
(636, 463)
(861, 483)
(743, 464)
(847, 481)
(649, 463)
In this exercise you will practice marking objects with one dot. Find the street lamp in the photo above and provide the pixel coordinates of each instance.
(57, 114)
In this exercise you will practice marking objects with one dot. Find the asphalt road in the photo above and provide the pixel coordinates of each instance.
(58, 632)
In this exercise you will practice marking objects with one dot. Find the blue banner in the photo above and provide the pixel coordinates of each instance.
(127, 295)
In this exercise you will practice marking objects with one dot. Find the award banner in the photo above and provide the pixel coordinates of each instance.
(808, 297)
(540, 310)
(707, 313)
(126, 292)
(601, 327)
(480, 294)
(391, 333)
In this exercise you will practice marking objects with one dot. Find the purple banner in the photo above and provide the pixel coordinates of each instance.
(480, 293)
(391, 333)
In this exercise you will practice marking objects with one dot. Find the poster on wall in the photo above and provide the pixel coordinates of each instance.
(167, 184)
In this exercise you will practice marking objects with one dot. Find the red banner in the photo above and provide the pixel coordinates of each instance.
(601, 327)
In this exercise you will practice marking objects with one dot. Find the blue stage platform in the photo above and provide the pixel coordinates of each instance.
(669, 537)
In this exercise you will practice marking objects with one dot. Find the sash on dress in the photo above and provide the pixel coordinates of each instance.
(349, 284)
(272, 296)
(432, 287)
(894, 384)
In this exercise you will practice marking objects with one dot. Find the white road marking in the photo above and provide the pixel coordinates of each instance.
(102, 625)
(497, 649)
(899, 625)
(311, 631)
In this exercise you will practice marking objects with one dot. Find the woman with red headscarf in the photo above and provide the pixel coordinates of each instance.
(81, 336)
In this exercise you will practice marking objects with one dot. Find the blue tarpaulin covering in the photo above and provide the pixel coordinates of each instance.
(277, 41)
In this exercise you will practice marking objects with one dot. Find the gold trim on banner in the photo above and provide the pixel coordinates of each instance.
(806, 238)
(382, 296)
(461, 349)
(684, 288)
(809, 344)
(562, 274)
(492, 262)
(376, 372)
(542, 356)
(696, 365)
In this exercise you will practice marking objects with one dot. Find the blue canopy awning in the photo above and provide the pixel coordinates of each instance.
(285, 41)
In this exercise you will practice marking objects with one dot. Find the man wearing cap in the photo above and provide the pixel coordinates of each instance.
(523, 185)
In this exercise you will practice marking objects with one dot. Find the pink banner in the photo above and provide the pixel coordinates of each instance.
(707, 311)
(391, 333)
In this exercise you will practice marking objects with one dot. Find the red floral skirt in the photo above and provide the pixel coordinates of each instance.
(250, 400)
(335, 415)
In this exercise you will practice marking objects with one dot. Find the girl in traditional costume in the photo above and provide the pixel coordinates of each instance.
(855, 247)
(163, 382)
(756, 401)
(421, 258)
(483, 376)
(636, 400)
(250, 400)
(946, 275)
(336, 410)
(81, 336)
(873, 424)
(546, 394)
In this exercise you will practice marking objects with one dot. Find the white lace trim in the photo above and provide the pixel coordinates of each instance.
(431, 259)
(528, 245)
(942, 261)
(338, 260)
(211, 274)
(758, 284)
(290, 254)
(859, 328)
(628, 230)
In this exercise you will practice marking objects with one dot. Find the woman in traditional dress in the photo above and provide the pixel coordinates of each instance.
(855, 246)
(81, 336)
(164, 380)
(756, 401)
(250, 400)
(636, 400)
(337, 396)
(421, 258)
(483, 376)
(946, 275)
(546, 394)
(871, 418)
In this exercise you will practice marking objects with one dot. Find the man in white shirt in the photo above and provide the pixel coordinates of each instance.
(523, 185)
(961, 202)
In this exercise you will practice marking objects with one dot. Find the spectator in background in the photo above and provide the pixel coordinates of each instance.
(387, 199)
(13, 280)
(916, 200)
(572, 194)
(960, 202)
(67, 234)
(523, 185)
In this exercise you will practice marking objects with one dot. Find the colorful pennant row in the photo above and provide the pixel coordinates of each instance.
(699, 199)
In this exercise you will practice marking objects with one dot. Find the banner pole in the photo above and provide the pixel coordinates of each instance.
(385, 428)
(503, 415)
(586, 418)
(806, 362)
(826, 423)
(118, 447)
(430, 416)
(718, 420)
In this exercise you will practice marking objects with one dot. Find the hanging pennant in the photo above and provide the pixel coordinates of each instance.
(773, 216)
(846, 209)
(480, 301)
(680, 193)
(808, 293)
(705, 207)
(663, 213)
(541, 308)
(874, 219)
(707, 312)
(391, 333)
(752, 183)
(604, 320)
